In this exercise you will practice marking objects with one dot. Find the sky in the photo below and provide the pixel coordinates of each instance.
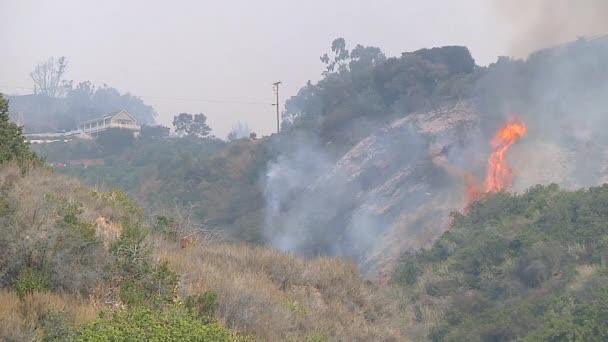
(176, 54)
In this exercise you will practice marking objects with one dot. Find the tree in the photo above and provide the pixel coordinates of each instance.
(154, 132)
(12, 142)
(86, 101)
(48, 78)
(192, 125)
(115, 140)
(341, 54)
(239, 131)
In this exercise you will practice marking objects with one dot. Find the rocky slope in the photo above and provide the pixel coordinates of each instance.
(394, 191)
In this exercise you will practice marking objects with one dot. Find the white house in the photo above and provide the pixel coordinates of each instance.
(121, 119)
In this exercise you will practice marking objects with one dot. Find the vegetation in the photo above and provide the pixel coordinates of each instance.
(277, 297)
(12, 143)
(240, 131)
(207, 182)
(530, 266)
(291, 298)
(363, 89)
(58, 237)
(141, 324)
(81, 264)
(115, 140)
(192, 125)
(59, 105)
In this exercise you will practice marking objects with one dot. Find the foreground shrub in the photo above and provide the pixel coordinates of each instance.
(144, 282)
(204, 305)
(31, 280)
(142, 324)
(503, 270)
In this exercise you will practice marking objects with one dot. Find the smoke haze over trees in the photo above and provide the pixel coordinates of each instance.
(557, 92)
(57, 104)
(544, 23)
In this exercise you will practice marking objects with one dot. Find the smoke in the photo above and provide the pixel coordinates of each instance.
(315, 205)
(360, 204)
(560, 94)
(394, 190)
(543, 23)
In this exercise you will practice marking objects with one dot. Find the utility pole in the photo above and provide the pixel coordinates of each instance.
(276, 89)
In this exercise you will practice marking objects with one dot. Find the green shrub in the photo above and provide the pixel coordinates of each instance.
(31, 280)
(132, 292)
(504, 266)
(142, 324)
(131, 252)
(12, 141)
(408, 273)
(144, 282)
(57, 327)
(204, 305)
(166, 226)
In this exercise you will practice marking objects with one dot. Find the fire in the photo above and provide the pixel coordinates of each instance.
(471, 187)
(499, 175)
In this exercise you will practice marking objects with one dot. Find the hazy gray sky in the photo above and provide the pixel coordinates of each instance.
(226, 50)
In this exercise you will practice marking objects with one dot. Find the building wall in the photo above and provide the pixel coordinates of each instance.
(123, 119)
(120, 120)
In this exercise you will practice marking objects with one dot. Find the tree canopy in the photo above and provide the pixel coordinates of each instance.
(362, 89)
(115, 140)
(58, 105)
(48, 78)
(192, 125)
(12, 142)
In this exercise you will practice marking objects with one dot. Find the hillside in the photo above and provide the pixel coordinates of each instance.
(388, 162)
(528, 267)
(213, 183)
(80, 264)
(63, 266)
(361, 148)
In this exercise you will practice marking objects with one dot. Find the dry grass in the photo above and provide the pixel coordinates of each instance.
(36, 198)
(31, 191)
(269, 294)
(20, 318)
(583, 274)
(278, 297)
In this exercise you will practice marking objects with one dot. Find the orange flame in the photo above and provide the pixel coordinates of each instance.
(471, 187)
(499, 175)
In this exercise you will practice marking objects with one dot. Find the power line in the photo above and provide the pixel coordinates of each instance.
(177, 99)
(206, 100)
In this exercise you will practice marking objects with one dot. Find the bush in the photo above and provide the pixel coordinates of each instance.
(144, 283)
(12, 142)
(204, 305)
(500, 271)
(115, 140)
(166, 226)
(142, 324)
(31, 280)
(57, 327)
(408, 273)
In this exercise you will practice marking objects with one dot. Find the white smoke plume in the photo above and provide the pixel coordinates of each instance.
(539, 24)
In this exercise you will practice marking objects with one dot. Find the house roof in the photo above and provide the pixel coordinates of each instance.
(108, 116)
